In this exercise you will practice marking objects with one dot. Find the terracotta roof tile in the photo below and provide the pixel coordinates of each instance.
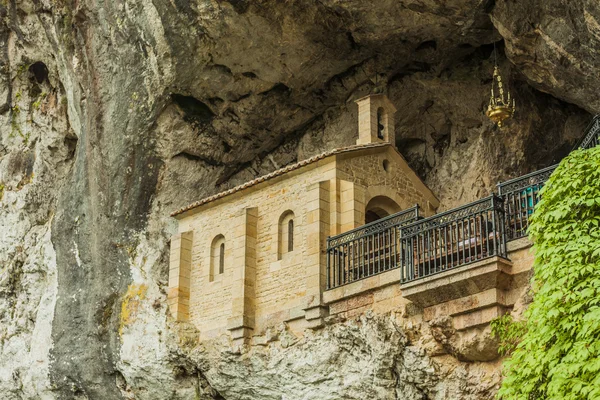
(277, 173)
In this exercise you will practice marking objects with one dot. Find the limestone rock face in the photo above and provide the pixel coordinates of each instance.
(367, 357)
(113, 114)
(555, 45)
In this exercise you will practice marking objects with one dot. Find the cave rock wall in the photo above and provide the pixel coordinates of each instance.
(113, 114)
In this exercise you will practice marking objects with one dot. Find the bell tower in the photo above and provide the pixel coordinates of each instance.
(375, 119)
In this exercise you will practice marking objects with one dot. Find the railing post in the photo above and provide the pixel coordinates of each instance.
(410, 259)
(498, 209)
(327, 268)
(503, 228)
(494, 226)
(403, 268)
(403, 258)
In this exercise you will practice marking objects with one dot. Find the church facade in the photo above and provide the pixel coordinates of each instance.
(347, 231)
(256, 255)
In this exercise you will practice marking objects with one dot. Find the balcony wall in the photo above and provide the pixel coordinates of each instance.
(472, 295)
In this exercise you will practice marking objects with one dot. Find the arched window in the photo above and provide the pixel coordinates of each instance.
(217, 257)
(372, 216)
(380, 247)
(285, 234)
(381, 123)
(379, 207)
(290, 235)
(222, 258)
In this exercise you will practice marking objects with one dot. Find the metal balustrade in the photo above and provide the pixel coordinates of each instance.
(592, 135)
(453, 238)
(368, 250)
(520, 198)
(523, 193)
(423, 247)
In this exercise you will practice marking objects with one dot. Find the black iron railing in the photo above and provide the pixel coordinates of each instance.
(592, 134)
(423, 247)
(523, 193)
(453, 238)
(520, 197)
(368, 250)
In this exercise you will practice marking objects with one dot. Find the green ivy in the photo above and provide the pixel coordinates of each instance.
(508, 332)
(558, 356)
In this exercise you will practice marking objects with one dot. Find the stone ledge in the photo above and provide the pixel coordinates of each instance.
(241, 335)
(240, 321)
(518, 244)
(295, 313)
(472, 311)
(468, 304)
(478, 318)
(455, 283)
(362, 286)
(521, 253)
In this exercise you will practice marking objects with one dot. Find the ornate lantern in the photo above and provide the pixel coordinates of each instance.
(502, 106)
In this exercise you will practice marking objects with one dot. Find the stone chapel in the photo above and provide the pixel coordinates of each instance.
(342, 232)
(254, 255)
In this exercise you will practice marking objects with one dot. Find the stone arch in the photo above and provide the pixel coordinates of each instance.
(217, 256)
(379, 207)
(286, 234)
(387, 191)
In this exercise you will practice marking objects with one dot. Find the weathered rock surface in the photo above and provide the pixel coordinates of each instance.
(555, 45)
(367, 357)
(113, 114)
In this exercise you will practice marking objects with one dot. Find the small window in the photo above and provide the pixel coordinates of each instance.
(217, 257)
(222, 258)
(291, 235)
(285, 234)
(386, 165)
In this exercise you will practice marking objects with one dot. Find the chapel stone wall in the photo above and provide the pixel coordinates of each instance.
(262, 286)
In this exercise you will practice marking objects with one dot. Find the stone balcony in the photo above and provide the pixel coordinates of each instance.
(455, 263)
(473, 294)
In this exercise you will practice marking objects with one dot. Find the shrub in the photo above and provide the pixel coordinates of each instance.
(558, 356)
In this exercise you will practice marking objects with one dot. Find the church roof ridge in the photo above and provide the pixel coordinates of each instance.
(277, 173)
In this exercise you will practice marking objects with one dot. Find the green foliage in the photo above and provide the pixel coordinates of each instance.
(509, 332)
(14, 123)
(21, 69)
(36, 104)
(559, 354)
(14, 120)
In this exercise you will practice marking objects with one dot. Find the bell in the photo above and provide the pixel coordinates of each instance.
(380, 129)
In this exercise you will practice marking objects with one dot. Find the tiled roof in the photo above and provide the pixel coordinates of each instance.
(277, 173)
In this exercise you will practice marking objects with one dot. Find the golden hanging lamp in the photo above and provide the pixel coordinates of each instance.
(502, 105)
